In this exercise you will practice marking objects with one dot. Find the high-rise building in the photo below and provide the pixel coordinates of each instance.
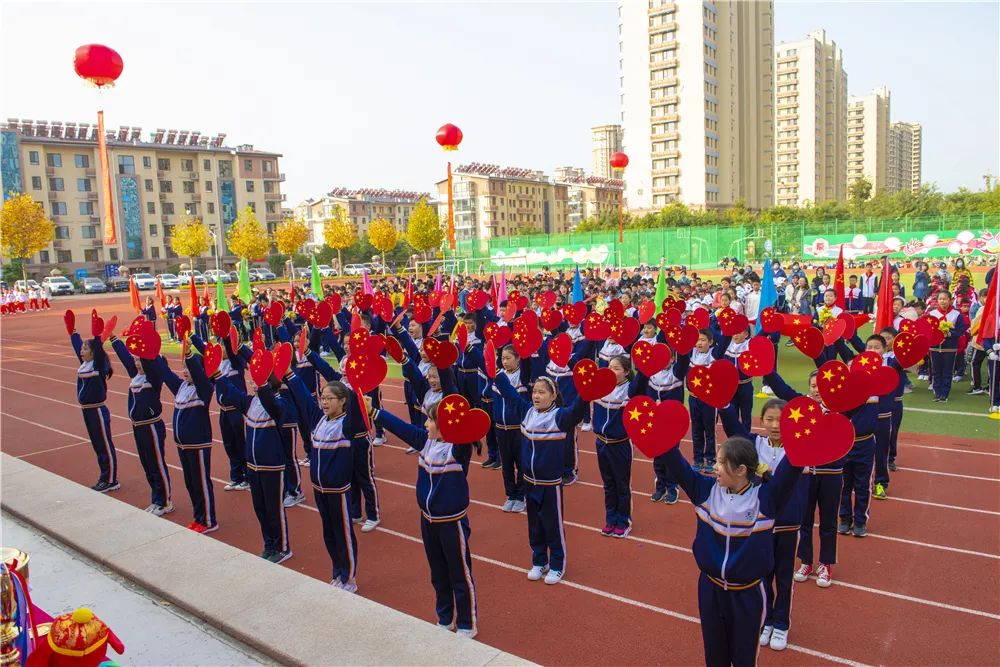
(360, 207)
(154, 183)
(810, 121)
(491, 201)
(868, 138)
(904, 157)
(606, 141)
(697, 94)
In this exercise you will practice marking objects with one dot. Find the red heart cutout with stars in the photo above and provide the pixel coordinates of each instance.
(459, 422)
(682, 339)
(574, 313)
(810, 436)
(655, 429)
(840, 389)
(442, 354)
(261, 365)
(595, 327)
(758, 359)
(910, 348)
(497, 334)
(882, 379)
(212, 358)
(715, 384)
(365, 371)
(560, 349)
(809, 341)
(650, 358)
(646, 311)
(591, 381)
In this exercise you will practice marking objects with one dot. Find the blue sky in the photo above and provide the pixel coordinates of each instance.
(352, 94)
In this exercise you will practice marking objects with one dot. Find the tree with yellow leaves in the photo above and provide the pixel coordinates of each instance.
(247, 238)
(190, 239)
(289, 235)
(382, 234)
(424, 231)
(339, 233)
(24, 229)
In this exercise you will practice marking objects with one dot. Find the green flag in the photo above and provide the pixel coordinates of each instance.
(220, 294)
(661, 291)
(317, 286)
(244, 286)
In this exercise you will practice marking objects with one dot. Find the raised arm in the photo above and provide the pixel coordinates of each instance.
(196, 369)
(323, 368)
(304, 400)
(414, 436)
(77, 343)
(782, 485)
(779, 387)
(230, 394)
(697, 487)
(507, 390)
(124, 356)
(448, 383)
(568, 417)
(732, 425)
(158, 368)
(417, 381)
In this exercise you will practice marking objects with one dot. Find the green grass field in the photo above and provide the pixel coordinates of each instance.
(963, 415)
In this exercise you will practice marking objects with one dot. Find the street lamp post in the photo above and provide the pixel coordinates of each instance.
(215, 244)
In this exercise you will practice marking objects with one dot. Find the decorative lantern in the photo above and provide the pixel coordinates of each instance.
(449, 136)
(98, 64)
(619, 160)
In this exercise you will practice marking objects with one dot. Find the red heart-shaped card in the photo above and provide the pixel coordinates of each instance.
(510, 311)
(212, 359)
(109, 328)
(551, 319)
(850, 326)
(758, 359)
(257, 341)
(715, 384)
(698, 318)
(833, 330)
(96, 324)
(363, 302)
(422, 313)
(320, 316)
(275, 313)
(334, 300)
(434, 299)
(595, 327)
(770, 320)
(812, 438)
(840, 389)
(882, 379)
(304, 308)
(545, 300)
(460, 423)
(791, 324)
(625, 331)
(442, 354)
(527, 340)
(672, 303)
(145, 343)
(461, 337)
(363, 342)
(809, 341)
(221, 323)
(672, 317)
(394, 349)
(490, 357)
(520, 301)
(646, 311)
(366, 371)
(655, 429)
(447, 301)
(918, 327)
(935, 335)
(136, 325)
(734, 324)
(497, 334)
(234, 338)
(182, 324)
(910, 348)
(475, 300)
(615, 310)
(591, 381)
(650, 358)
(261, 366)
(574, 313)
(69, 318)
(560, 349)
(383, 308)
(682, 339)
(282, 354)
(528, 320)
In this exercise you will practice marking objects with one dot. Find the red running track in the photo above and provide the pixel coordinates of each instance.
(923, 588)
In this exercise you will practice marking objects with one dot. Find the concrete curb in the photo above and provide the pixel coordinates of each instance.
(287, 616)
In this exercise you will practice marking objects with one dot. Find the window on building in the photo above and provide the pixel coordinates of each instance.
(36, 182)
(253, 206)
(206, 165)
(43, 257)
(248, 165)
(269, 206)
(62, 232)
(151, 208)
(166, 186)
(225, 168)
(88, 232)
(249, 186)
(126, 164)
(33, 157)
(64, 256)
(211, 207)
(149, 184)
(56, 184)
(112, 254)
(91, 255)
(163, 164)
(187, 165)
(86, 208)
(191, 209)
(81, 161)
(54, 159)
(188, 186)
(83, 185)
(147, 162)
(208, 186)
(167, 208)
(154, 230)
(154, 252)
(58, 208)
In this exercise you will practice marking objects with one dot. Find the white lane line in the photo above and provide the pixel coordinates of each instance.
(951, 474)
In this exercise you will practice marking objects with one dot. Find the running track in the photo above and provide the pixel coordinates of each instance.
(923, 588)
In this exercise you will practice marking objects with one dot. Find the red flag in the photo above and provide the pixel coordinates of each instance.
(204, 295)
(194, 297)
(838, 281)
(133, 293)
(159, 293)
(988, 325)
(408, 294)
(883, 306)
(493, 292)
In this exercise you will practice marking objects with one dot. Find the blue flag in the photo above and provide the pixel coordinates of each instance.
(577, 293)
(768, 294)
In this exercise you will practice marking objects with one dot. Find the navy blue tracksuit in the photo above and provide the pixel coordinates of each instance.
(91, 392)
(943, 355)
(507, 416)
(231, 428)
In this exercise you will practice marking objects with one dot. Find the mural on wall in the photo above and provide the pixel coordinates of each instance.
(128, 188)
(10, 165)
(565, 255)
(904, 244)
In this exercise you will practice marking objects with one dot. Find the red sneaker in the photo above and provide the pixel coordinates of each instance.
(198, 528)
(824, 576)
(608, 530)
(191, 525)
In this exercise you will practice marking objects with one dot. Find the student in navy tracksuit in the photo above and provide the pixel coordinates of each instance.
(734, 545)
(236, 315)
(778, 584)
(507, 416)
(150, 311)
(416, 331)
(703, 415)
(889, 335)
(192, 433)
(543, 432)
(614, 449)
(146, 413)
(667, 385)
(303, 368)
(169, 315)
(201, 323)
(443, 497)
(563, 378)
(469, 376)
(943, 354)
(264, 416)
(91, 392)
(883, 432)
(293, 494)
(743, 399)
(231, 428)
(331, 467)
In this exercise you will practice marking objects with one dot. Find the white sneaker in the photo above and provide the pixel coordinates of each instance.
(243, 486)
(378, 442)
(337, 583)
(767, 390)
(358, 521)
(765, 635)
(350, 587)
(411, 450)
(292, 501)
(587, 427)
(450, 627)
(779, 640)
(507, 506)
(957, 378)
(517, 507)
(824, 577)
(921, 377)
(151, 508)
(304, 462)
(370, 525)
(802, 574)
(470, 633)
(160, 510)
(553, 577)
(537, 571)
(232, 486)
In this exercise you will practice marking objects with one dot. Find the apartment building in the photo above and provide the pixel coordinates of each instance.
(697, 95)
(590, 196)
(606, 140)
(810, 121)
(868, 138)
(360, 206)
(904, 172)
(490, 201)
(154, 183)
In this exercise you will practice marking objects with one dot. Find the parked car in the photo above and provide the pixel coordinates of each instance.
(326, 271)
(302, 273)
(31, 284)
(93, 286)
(117, 284)
(213, 276)
(376, 268)
(144, 281)
(354, 269)
(184, 277)
(234, 276)
(58, 285)
(261, 274)
(169, 280)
